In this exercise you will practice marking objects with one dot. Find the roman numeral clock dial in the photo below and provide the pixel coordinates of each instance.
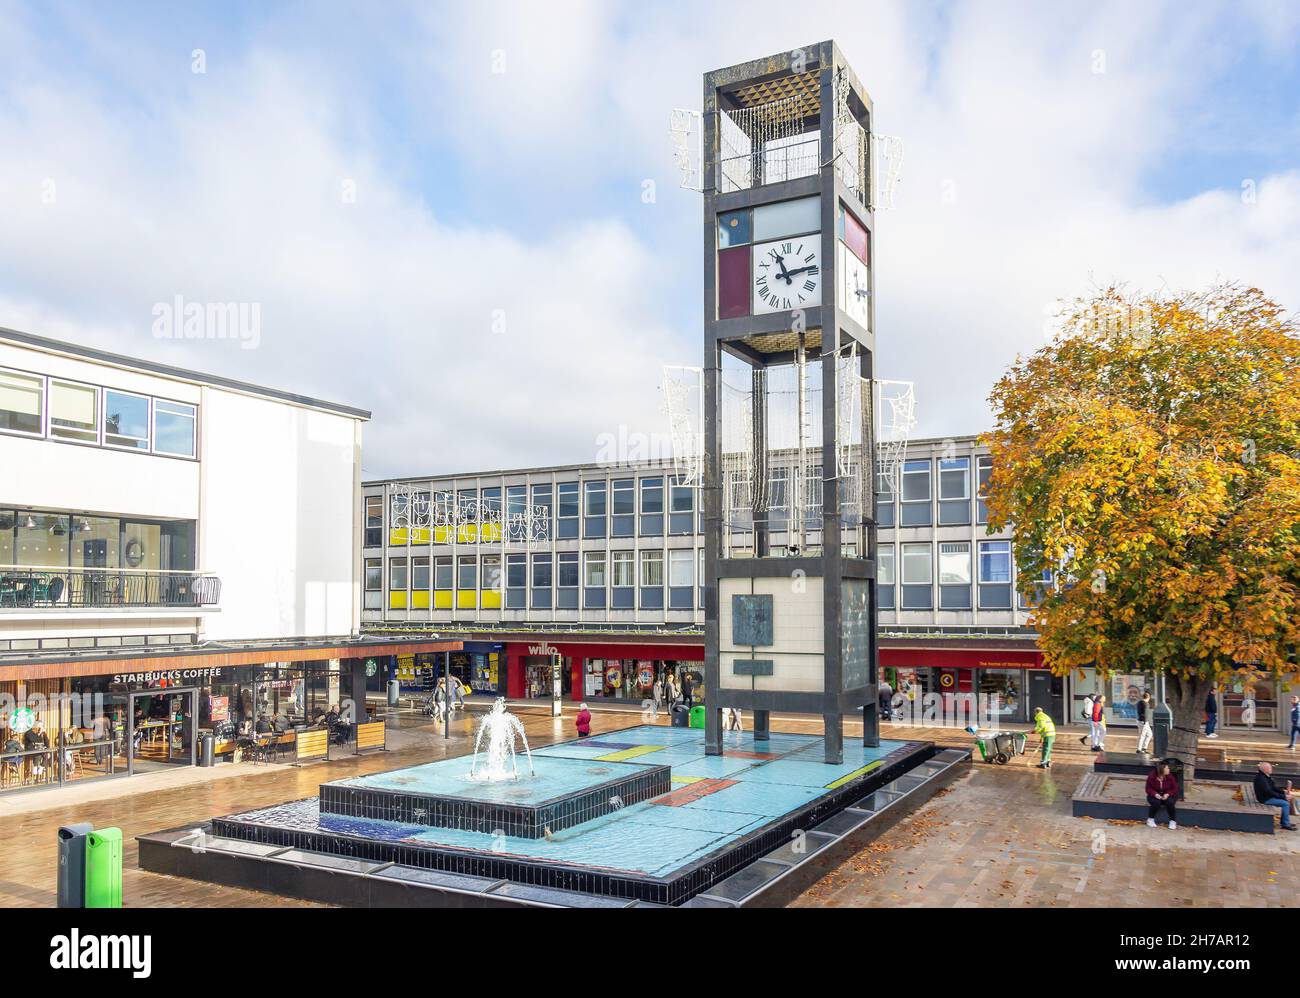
(787, 274)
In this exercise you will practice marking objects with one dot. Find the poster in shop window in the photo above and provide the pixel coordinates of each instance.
(1125, 692)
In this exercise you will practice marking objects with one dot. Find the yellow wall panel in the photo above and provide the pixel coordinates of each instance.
(465, 599)
(420, 599)
(491, 599)
(396, 600)
(442, 599)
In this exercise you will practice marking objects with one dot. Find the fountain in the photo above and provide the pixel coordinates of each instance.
(501, 729)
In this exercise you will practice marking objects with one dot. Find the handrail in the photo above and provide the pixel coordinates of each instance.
(30, 586)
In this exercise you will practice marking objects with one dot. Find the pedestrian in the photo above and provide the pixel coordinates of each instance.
(1211, 712)
(886, 694)
(1162, 791)
(688, 693)
(1144, 723)
(1046, 731)
(1086, 713)
(1268, 792)
(657, 693)
(1295, 721)
(583, 721)
(670, 691)
(1099, 724)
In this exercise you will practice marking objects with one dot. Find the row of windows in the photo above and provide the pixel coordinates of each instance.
(544, 581)
(37, 405)
(916, 495)
(593, 509)
(912, 571)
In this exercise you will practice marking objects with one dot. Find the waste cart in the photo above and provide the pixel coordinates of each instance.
(394, 692)
(207, 749)
(698, 719)
(681, 716)
(104, 868)
(72, 864)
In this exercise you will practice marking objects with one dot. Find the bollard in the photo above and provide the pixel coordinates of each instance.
(1162, 720)
(72, 864)
(104, 868)
(207, 750)
(394, 691)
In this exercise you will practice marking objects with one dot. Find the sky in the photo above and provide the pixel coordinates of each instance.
(466, 218)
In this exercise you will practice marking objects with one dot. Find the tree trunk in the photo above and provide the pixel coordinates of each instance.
(1186, 699)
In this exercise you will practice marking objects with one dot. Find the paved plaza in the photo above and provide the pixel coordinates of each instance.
(999, 836)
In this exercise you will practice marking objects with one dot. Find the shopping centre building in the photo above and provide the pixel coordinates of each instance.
(178, 556)
(601, 565)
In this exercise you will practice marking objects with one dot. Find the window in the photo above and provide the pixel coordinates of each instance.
(700, 576)
(681, 579)
(983, 472)
(516, 581)
(491, 581)
(374, 521)
(126, 420)
(954, 491)
(173, 428)
(778, 498)
(623, 508)
(74, 411)
(954, 575)
(567, 581)
(1042, 586)
(593, 597)
(917, 577)
(621, 570)
(995, 575)
(541, 596)
(420, 573)
(622, 577)
(885, 498)
(652, 568)
(915, 500)
(397, 574)
(374, 599)
(466, 572)
(652, 507)
(594, 496)
(516, 507)
(442, 574)
(885, 576)
(566, 526)
(22, 398)
(542, 498)
(681, 508)
(652, 580)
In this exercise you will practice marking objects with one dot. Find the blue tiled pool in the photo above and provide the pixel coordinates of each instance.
(714, 801)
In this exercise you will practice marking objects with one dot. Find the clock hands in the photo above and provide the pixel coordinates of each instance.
(780, 262)
(791, 273)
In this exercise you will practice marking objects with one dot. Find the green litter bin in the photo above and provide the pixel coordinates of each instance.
(104, 868)
(697, 717)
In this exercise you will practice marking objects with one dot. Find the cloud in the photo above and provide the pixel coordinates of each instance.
(467, 252)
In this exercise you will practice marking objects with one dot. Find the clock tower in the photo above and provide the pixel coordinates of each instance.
(789, 328)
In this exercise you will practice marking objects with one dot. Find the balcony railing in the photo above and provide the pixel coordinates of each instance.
(75, 588)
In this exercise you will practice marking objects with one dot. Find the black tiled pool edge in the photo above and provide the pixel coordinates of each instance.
(640, 783)
(524, 874)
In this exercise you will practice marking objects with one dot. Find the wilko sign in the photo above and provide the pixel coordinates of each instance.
(543, 650)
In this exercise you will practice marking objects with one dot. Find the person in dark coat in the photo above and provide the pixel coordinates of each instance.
(1295, 721)
(1162, 791)
(886, 693)
(1211, 712)
(583, 721)
(688, 690)
(1268, 792)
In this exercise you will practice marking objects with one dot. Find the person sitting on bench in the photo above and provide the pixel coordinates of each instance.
(1268, 792)
(1162, 791)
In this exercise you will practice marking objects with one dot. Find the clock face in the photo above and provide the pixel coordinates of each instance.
(856, 297)
(787, 274)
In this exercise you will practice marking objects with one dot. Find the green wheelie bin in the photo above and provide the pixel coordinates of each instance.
(698, 719)
(104, 868)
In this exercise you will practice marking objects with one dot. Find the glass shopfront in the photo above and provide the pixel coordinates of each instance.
(635, 678)
(537, 676)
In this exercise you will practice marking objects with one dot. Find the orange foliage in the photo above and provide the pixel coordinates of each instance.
(1150, 455)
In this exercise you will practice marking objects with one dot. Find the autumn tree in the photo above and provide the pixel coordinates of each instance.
(1149, 458)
